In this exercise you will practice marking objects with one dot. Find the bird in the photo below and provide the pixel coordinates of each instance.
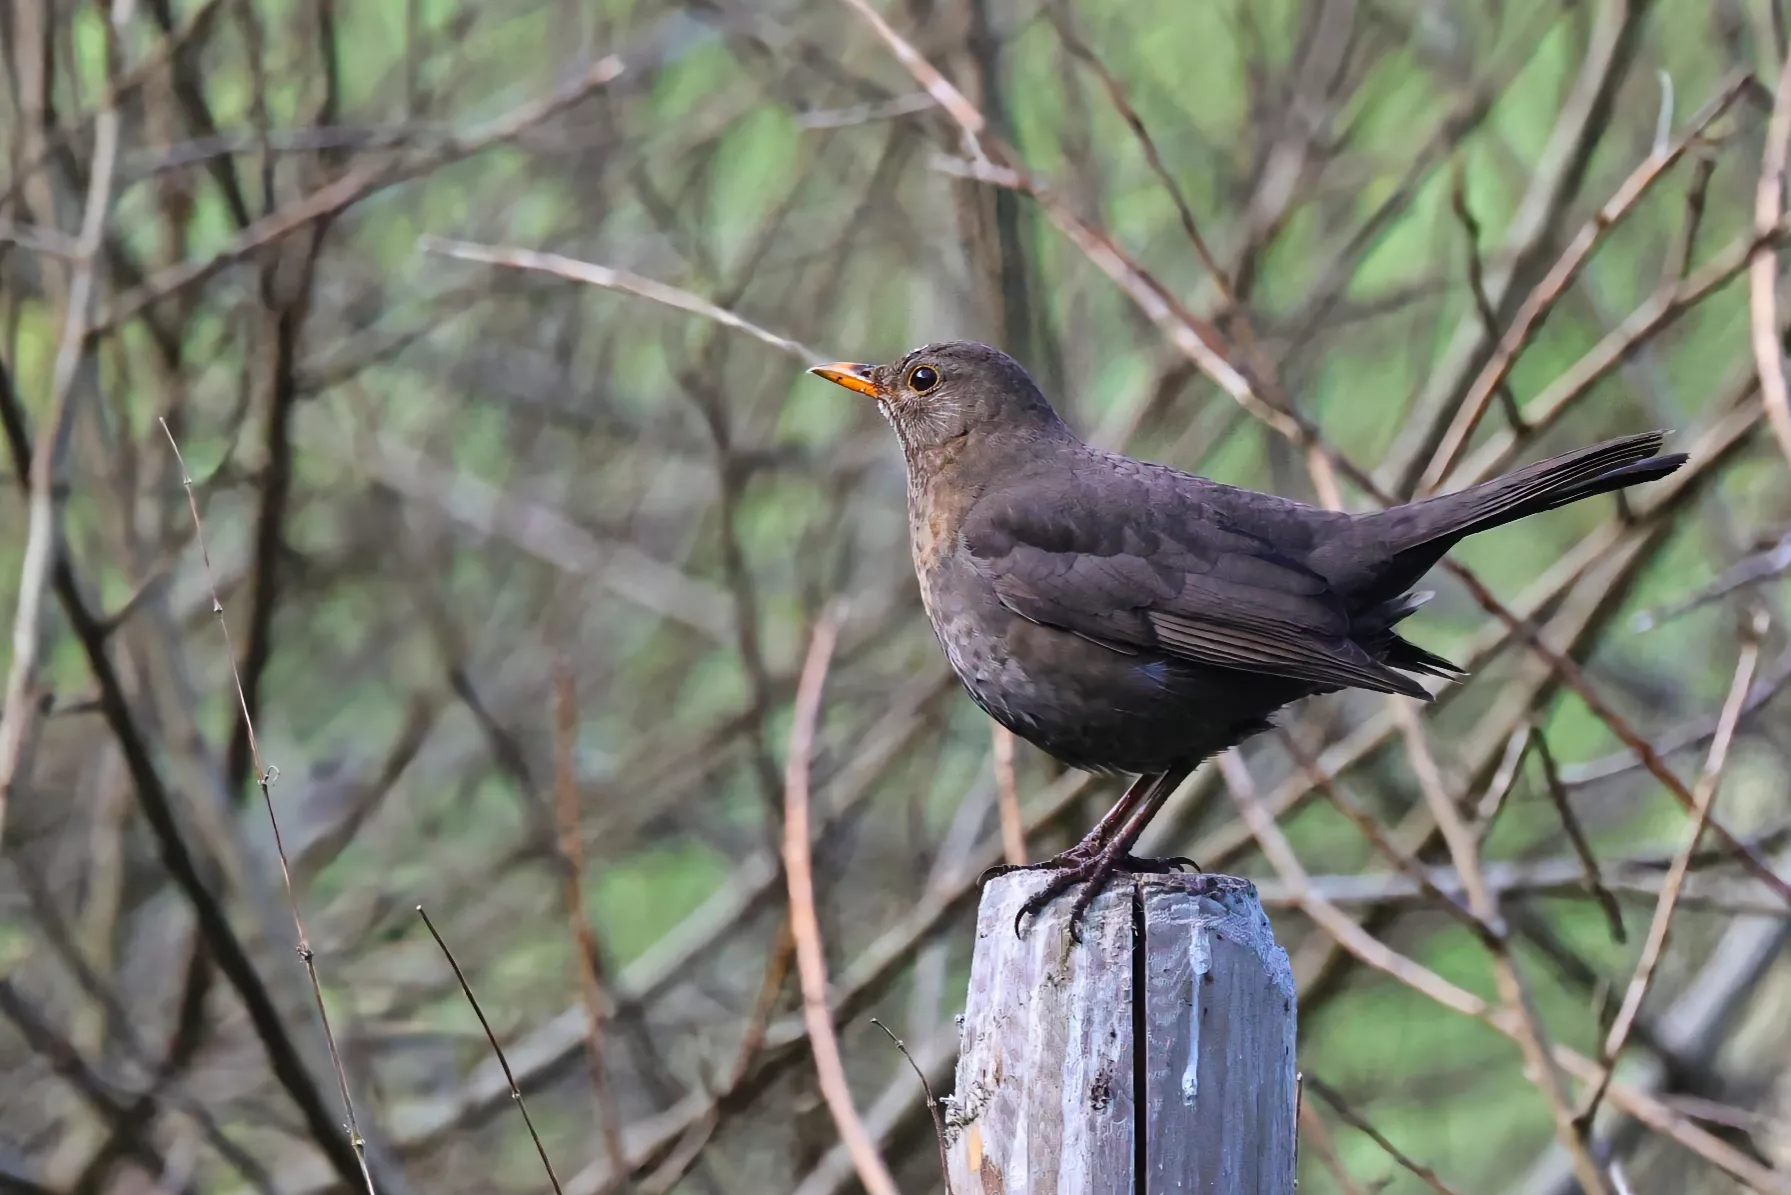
(1127, 617)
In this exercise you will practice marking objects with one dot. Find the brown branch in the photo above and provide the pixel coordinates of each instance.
(515, 1092)
(44, 510)
(1377, 954)
(1577, 836)
(1704, 798)
(1329, 1095)
(157, 803)
(811, 962)
(962, 111)
(1763, 271)
(265, 777)
(1486, 810)
(1007, 797)
(1483, 305)
(1574, 679)
(1315, 1131)
(1529, 1030)
(347, 190)
(932, 1103)
(594, 275)
(1494, 375)
(1061, 20)
(584, 935)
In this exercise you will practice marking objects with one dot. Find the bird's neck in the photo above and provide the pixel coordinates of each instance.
(946, 478)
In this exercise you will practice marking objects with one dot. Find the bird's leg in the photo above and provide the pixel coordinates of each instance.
(1110, 824)
(1092, 861)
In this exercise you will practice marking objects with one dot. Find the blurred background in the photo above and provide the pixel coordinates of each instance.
(518, 566)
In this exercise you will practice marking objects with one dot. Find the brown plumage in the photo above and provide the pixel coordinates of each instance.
(1129, 617)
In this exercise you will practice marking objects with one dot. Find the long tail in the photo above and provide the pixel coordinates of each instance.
(1414, 537)
(1545, 485)
(1533, 489)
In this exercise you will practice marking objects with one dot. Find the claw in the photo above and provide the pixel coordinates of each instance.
(1080, 865)
(995, 871)
(1068, 878)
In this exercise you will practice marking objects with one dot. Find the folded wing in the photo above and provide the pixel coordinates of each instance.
(1184, 582)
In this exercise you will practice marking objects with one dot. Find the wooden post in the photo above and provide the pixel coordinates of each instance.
(1156, 1056)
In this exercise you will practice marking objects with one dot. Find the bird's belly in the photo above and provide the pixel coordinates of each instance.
(1090, 706)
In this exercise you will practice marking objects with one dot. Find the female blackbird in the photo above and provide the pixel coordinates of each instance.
(1128, 617)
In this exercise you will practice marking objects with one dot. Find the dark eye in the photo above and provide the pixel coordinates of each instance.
(923, 379)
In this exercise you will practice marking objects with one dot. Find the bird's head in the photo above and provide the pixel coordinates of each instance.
(941, 392)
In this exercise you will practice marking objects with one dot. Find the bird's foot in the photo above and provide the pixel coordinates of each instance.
(1093, 867)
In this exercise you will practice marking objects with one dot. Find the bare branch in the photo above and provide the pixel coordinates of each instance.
(1704, 797)
(43, 520)
(595, 275)
(265, 777)
(584, 935)
(1581, 848)
(1763, 270)
(515, 1091)
(1007, 797)
(811, 962)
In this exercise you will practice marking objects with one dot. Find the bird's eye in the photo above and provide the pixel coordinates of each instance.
(923, 379)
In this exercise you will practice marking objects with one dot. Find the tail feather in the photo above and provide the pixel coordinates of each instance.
(1542, 486)
(1409, 657)
(1394, 547)
(1430, 527)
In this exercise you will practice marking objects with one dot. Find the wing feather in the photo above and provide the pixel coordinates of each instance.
(1118, 569)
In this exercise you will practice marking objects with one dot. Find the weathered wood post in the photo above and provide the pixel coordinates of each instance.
(1155, 1057)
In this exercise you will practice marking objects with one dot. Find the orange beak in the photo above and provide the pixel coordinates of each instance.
(852, 377)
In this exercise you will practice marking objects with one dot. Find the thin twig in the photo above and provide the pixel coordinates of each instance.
(752, 1040)
(1575, 679)
(1060, 18)
(1577, 836)
(1704, 797)
(1486, 811)
(1542, 298)
(1489, 318)
(1370, 827)
(515, 1092)
(1530, 1031)
(1314, 1128)
(348, 189)
(1685, 242)
(1329, 1095)
(805, 927)
(962, 111)
(584, 935)
(1377, 954)
(1652, 316)
(932, 1104)
(264, 779)
(1752, 569)
(1763, 271)
(1007, 797)
(44, 511)
(595, 275)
